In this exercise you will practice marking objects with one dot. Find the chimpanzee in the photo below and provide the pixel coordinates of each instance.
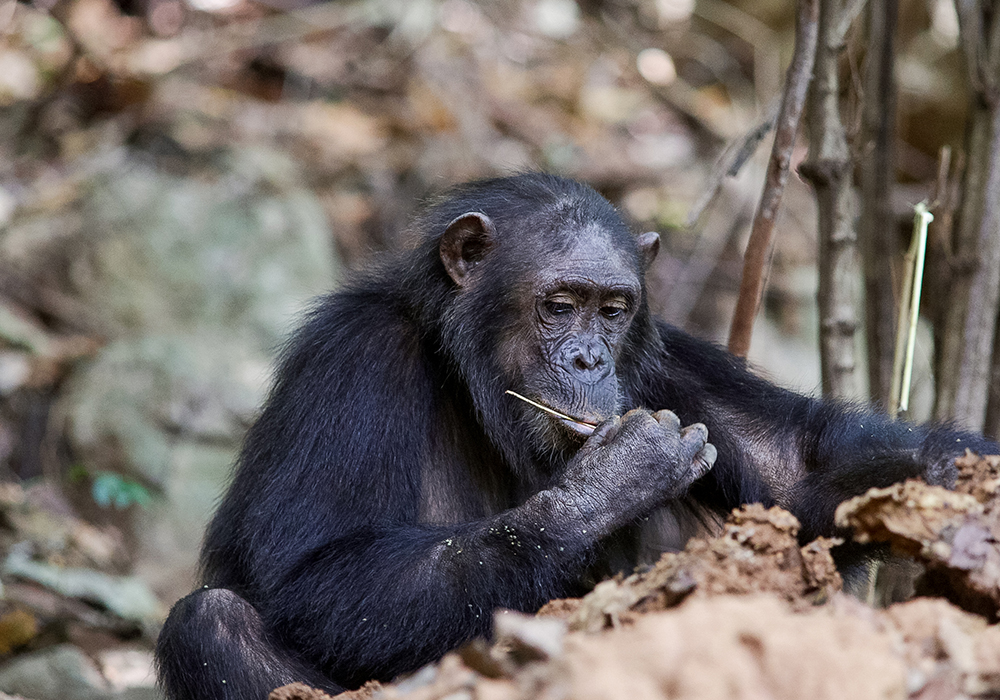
(391, 495)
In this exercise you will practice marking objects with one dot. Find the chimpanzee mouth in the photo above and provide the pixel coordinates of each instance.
(576, 425)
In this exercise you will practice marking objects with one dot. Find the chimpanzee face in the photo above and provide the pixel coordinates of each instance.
(581, 304)
(563, 305)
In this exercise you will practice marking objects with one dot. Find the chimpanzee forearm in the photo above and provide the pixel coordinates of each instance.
(849, 450)
(407, 595)
(446, 581)
(805, 454)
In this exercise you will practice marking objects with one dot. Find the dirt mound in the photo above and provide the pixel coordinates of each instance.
(948, 653)
(709, 647)
(704, 649)
(733, 646)
(757, 553)
(301, 691)
(751, 614)
(956, 535)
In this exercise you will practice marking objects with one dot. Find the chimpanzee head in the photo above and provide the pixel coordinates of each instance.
(550, 281)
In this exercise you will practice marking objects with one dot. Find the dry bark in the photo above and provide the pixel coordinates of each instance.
(981, 215)
(829, 171)
(948, 333)
(876, 224)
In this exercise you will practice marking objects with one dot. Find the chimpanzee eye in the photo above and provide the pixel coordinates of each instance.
(558, 307)
(612, 311)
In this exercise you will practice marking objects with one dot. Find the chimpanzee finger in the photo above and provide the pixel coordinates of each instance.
(668, 419)
(704, 460)
(636, 425)
(603, 434)
(694, 437)
(636, 414)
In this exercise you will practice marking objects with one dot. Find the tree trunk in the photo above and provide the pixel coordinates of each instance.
(951, 322)
(758, 252)
(829, 171)
(972, 390)
(876, 224)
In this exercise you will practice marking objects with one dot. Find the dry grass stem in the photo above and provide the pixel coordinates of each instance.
(552, 411)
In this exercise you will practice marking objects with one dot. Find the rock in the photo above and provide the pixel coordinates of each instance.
(194, 279)
(129, 672)
(64, 672)
(126, 596)
(61, 672)
(41, 517)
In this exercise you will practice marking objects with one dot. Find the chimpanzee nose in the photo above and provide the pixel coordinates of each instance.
(589, 360)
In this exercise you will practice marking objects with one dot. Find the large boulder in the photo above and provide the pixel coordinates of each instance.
(196, 281)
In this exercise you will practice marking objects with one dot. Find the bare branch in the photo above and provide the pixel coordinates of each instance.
(970, 23)
(876, 223)
(975, 371)
(852, 9)
(762, 230)
(984, 295)
(731, 162)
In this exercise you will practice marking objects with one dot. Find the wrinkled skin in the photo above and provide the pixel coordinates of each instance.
(582, 307)
(576, 312)
(618, 475)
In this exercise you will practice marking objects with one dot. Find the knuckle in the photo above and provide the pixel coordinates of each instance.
(637, 414)
(639, 428)
(695, 431)
(668, 419)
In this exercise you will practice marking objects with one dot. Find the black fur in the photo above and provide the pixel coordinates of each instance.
(390, 497)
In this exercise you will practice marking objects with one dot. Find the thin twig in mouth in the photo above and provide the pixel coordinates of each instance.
(552, 411)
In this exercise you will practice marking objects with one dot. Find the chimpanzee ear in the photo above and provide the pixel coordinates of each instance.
(465, 243)
(649, 246)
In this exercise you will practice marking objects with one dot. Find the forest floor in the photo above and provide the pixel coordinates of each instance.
(751, 614)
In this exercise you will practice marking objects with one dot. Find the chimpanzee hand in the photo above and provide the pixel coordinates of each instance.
(632, 464)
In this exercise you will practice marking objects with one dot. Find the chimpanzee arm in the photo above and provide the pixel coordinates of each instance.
(387, 598)
(322, 531)
(848, 450)
(382, 601)
(803, 453)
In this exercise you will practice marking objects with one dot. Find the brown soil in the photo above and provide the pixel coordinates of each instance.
(756, 553)
(301, 691)
(956, 535)
(751, 614)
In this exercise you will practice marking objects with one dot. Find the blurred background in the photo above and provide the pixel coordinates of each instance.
(179, 177)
